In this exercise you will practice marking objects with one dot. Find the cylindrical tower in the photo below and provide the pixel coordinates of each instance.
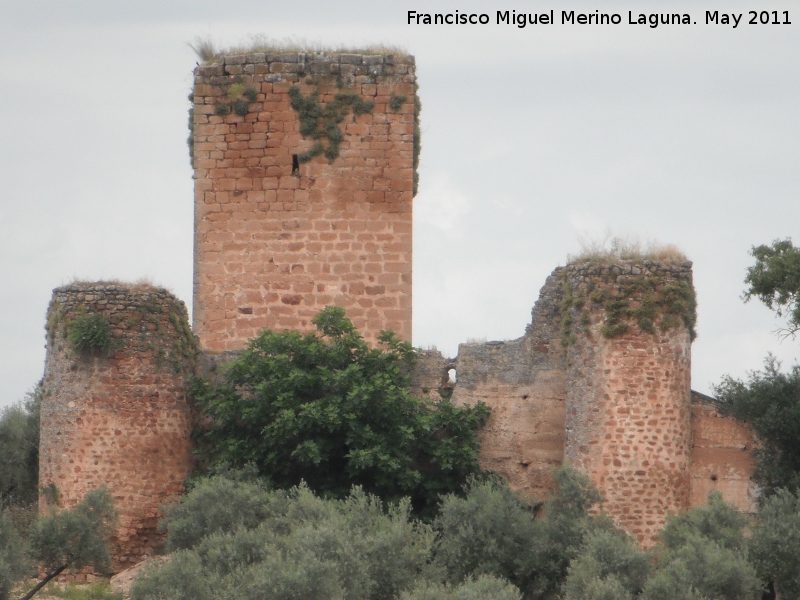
(114, 410)
(628, 328)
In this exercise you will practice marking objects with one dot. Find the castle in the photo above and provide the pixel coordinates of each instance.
(305, 170)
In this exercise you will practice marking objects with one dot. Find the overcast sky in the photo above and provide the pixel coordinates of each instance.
(531, 139)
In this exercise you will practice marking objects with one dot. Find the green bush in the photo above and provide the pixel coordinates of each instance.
(330, 411)
(610, 565)
(704, 556)
(775, 543)
(14, 563)
(218, 505)
(305, 547)
(491, 531)
(76, 537)
(485, 587)
(701, 568)
(89, 333)
(19, 451)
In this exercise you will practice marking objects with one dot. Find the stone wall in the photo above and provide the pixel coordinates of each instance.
(276, 238)
(720, 456)
(118, 417)
(523, 382)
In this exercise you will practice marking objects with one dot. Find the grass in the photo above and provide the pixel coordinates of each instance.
(208, 52)
(100, 590)
(143, 283)
(611, 248)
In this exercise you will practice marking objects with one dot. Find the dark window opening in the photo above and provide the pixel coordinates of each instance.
(295, 164)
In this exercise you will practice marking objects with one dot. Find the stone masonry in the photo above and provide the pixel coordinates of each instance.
(618, 408)
(277, 238)
(118, 417)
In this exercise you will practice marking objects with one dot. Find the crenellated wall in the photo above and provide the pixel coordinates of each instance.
(279, 234)
(118, 417)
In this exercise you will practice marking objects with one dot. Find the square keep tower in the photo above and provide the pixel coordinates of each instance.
(305, 169)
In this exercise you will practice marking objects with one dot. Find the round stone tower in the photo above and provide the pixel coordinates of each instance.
(114, 410)
(628, 328)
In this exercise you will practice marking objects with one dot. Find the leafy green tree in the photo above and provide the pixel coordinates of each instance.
(610, 565)
(775, 280)
(296, 545)
(492, 532)
(74, 537)
(14, 562)
(329, 410)
(775, 543)
(770, 403)
(704, 557)
(216, 505)
(19, 451)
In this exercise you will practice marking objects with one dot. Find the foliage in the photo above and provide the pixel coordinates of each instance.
(610, 565)
(482, 588)
(100, 590)
(775, 543)
(702, 569)
(657, 302)
(320, 123)
(716, 520)
(217, 505)
(19, 451)
(775, 280)
(703, 556)
(329, 410)
(239, 97)
(396, 101)
(491, 531)
(14, 562)
(305, 547)
(416, 142)
(770, 402)
(89, 333)
(76, 537)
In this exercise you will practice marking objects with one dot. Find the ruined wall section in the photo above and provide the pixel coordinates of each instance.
(721, 456)
(277, 238)
(118, 417)
(522, 381)
(628, 377)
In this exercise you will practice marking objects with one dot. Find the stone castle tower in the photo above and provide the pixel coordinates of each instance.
(305, 170)
(114, 412)
(304, 176)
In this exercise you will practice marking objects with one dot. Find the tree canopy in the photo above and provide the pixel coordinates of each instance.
(775, 280)
(326, 409)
